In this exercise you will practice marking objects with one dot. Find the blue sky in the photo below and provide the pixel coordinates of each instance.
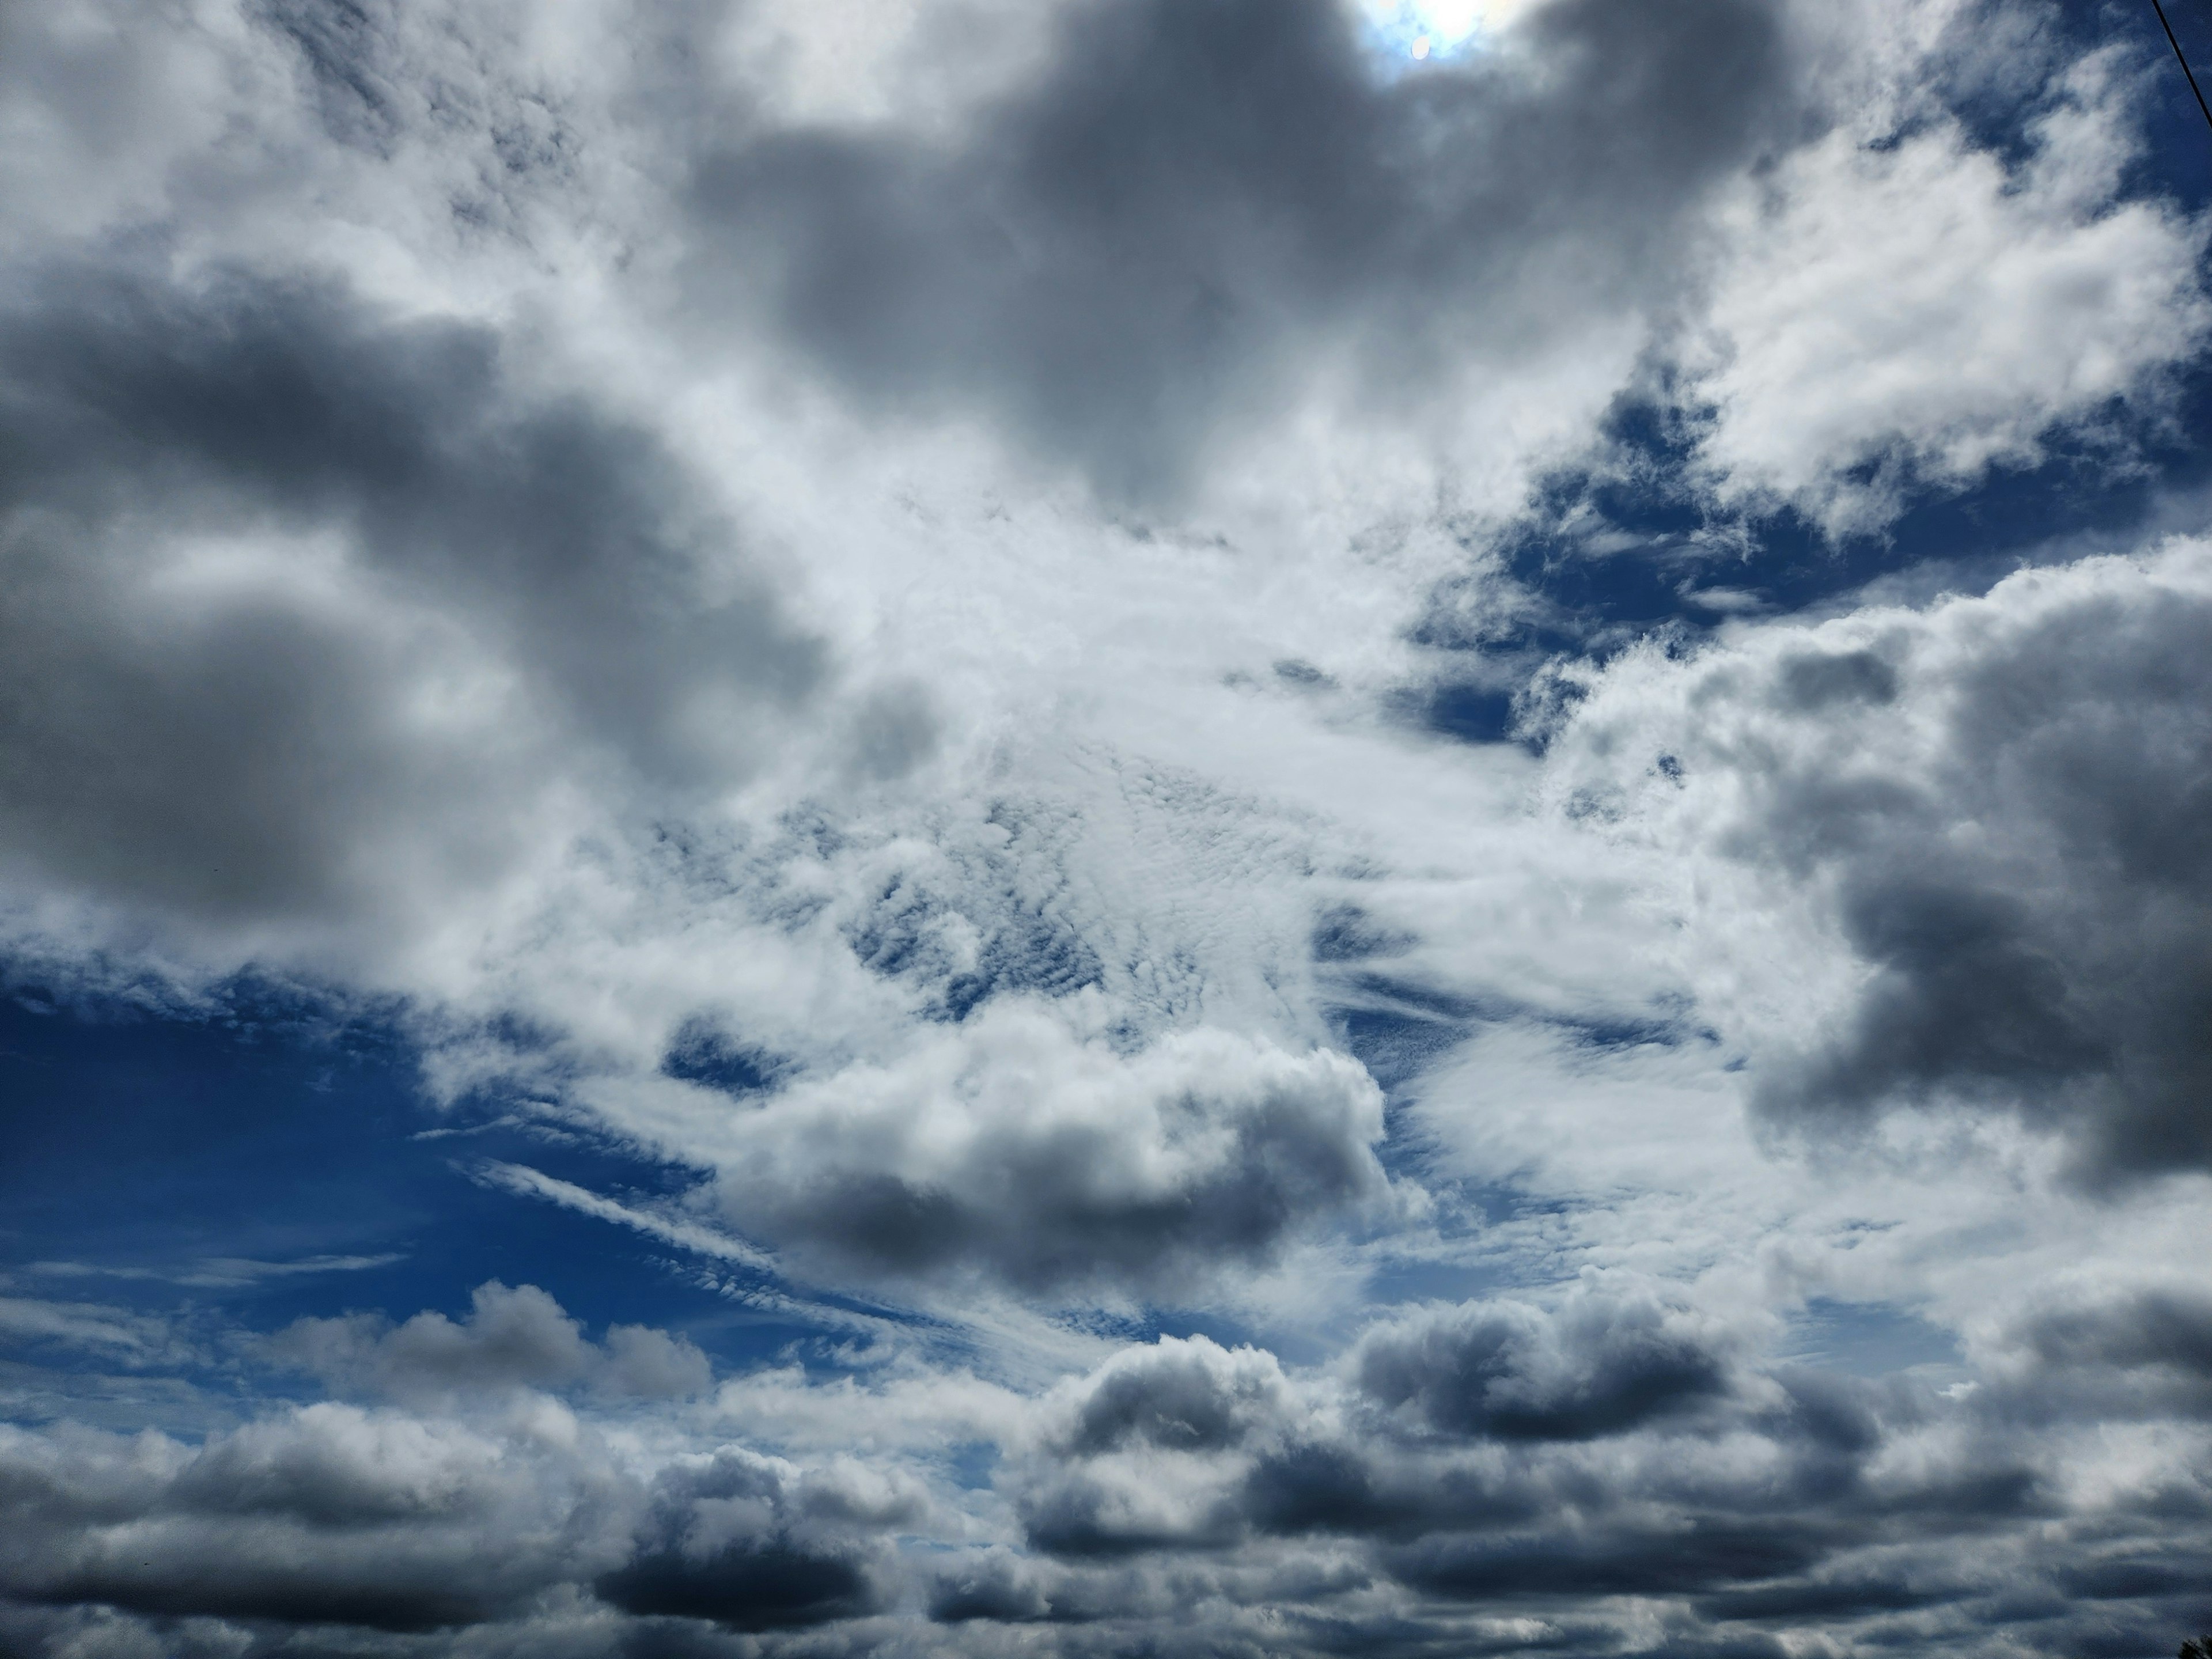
(1102, 828)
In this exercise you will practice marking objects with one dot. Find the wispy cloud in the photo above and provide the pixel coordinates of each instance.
(217, 1273)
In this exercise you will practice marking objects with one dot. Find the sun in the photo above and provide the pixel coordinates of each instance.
(1423, 28)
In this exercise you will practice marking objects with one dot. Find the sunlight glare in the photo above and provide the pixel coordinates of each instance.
(1422, 29)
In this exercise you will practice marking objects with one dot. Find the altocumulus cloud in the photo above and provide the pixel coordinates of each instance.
(1237, 813)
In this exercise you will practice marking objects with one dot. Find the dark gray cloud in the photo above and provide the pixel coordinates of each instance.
(1778, 1500)
(1403, 1455)
(1196, 202)
(1181, 1496)
(1181, 1396)
(1047, 1227)
(740, 1541)
(2035, 897)
(427, 1519)
(1505, 1368)
(2132, 1354)
(1695, 1553)
(1012, 1146)
(2168, 1330)
(244, 749)
(1003, 1587)
(329, 1514)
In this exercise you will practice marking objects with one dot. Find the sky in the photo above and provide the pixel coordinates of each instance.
(1104, 827)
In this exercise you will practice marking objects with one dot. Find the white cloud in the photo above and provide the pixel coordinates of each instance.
(511, 1338)
(1908, 302)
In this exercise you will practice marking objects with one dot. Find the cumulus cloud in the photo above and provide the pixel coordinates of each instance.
(2104, 1352)
(750, 1544)
(511, 1338)
(331, 1515)
(1176, 1479)
(293, 581)
(1506, 1371)
(1989, 804)
(1190, 205)
(468, 1503)
(1776, 1499)
(1037, 1152)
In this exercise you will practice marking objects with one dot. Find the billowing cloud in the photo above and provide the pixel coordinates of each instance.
(1990, 803)
(293, 583)
(740, 1541)
(330, 1515)
(1506, 1371)
(1176, 1479)
(1196, 208)
(511, 1338)
(1043, 1155)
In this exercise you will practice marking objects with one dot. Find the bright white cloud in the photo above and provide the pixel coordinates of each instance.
(1909, 303)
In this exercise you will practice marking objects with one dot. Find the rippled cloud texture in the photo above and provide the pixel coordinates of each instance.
(1103, 827)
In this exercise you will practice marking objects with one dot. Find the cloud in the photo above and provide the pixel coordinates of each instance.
(218, 1272)
(746, 1542)
(831, 597)
(1987, 804)
(1190, 209)
(1034, 1151)
(1602, 1366)
(1792, 1481)
(511, 1338)
(465, 1505)
(1866, 328)
(1178, 1484)
(335, 1466)
(1796, 1483)
(292, 581)
(1183, 1395)
(327, 1515)
(2102, 1353)
(118, 1333)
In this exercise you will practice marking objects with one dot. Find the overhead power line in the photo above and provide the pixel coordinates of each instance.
(2183, 60)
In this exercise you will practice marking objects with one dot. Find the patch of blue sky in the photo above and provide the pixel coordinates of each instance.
(2175, 160)
(1871, 1339)
(1405, 1280)
(247, 1174)
(1396, 1045)
(1024, 945)
(1625, 550)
